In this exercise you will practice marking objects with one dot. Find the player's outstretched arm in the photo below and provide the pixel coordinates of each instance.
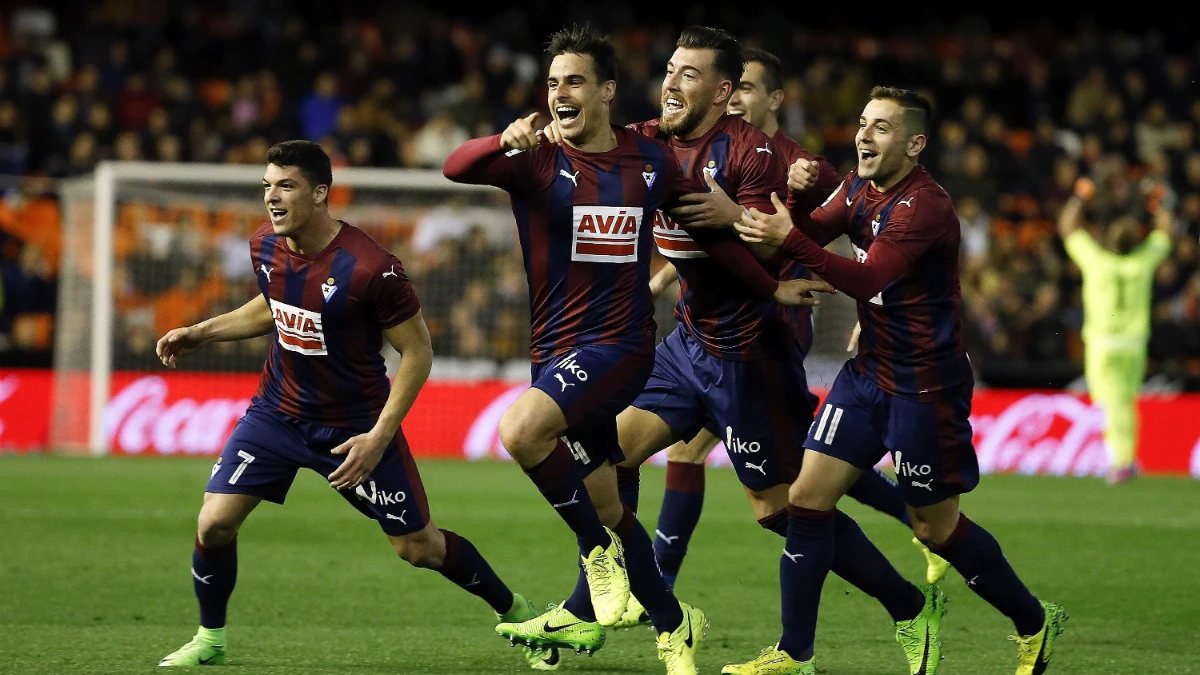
(248, 321)
(861, 281)
(480, 161)
(1068, 218)
(411, 339)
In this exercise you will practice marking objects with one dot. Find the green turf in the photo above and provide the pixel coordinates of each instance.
(94, 557)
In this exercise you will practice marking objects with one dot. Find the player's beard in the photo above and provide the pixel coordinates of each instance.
(683, 122)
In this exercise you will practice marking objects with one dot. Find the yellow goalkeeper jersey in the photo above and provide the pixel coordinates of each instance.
(1117, 288)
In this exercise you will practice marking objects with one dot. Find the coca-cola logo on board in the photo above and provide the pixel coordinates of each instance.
(138, 418)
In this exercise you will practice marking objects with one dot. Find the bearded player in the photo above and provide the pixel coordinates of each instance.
(330, 295)
(757, 99)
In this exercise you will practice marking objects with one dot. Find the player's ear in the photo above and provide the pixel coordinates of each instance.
(725, 91)
(320, 195)
(609, 91)
(775, 100)
(916, 144)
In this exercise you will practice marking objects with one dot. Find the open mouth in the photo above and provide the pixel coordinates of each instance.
(865, 154)
(566, 113)
(672, 105)
(736, 111)
(277, 213)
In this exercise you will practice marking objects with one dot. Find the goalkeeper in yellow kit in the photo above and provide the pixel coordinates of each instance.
(1117, 283)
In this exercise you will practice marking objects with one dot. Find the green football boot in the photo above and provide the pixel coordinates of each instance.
(556, 628)
(1033, 651)
(537, 658)
(206, 649)
(921, 636)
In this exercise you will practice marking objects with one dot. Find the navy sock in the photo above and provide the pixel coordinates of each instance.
(557, 480)
(856, 560)
(645, 582)
(465, 566)
(878, 491)
(682, 502)
(629, 486)
(580, 601)
(214, 574)
(807, 557)
(976, 554)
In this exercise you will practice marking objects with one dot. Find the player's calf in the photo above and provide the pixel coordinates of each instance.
(425, 548)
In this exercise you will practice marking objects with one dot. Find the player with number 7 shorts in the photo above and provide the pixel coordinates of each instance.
(328, 295)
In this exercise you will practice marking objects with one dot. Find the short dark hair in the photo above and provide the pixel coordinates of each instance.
(583, 38)
(728, 60)
(309, 157)
(918, 111)
(772, 66)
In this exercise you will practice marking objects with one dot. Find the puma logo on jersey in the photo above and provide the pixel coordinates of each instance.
(574, 178)
(927, 486)
(605, 234)
(765, 148)
(907, 202)
(564, 383)
(391, 272)
(299, 330)
(265, 270)
(761, 468)
(399, 517)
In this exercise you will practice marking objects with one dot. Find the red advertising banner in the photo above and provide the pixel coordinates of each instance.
(1042, 432)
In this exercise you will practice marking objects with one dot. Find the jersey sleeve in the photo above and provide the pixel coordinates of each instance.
(828, 180)
(824, 223)
(1154, 250)
(481, 161)
(909, 234)
(390, 297)
(758, 175)
(1083, 249)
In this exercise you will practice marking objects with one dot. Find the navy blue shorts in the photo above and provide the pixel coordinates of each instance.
(592, 384)
(760, 408)
(930, 441)
(267, 447)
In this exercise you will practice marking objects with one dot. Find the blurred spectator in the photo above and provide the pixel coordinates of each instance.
(1019, 117)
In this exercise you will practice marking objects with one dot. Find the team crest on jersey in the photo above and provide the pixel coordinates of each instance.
(649, 175)
(299, 330)
(875, 224)
(711, 169)
(329, 288)
(605, 234)
(672, 240)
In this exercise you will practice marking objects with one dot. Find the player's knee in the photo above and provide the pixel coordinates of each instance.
(214, 530)
(931, 531)
(806, 497)
(519, 431)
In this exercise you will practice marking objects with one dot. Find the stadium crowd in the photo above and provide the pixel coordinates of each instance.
(1020, 115)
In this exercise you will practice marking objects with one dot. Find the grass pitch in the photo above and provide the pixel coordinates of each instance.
(94, 558)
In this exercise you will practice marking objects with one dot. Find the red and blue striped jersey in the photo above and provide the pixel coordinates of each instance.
(325, 364)
(827, 181)
(715, 307)
(911, 343)
(584, 221)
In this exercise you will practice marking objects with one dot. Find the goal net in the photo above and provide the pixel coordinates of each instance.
(153, 246)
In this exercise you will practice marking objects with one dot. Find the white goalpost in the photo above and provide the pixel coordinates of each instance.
(146, 244)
